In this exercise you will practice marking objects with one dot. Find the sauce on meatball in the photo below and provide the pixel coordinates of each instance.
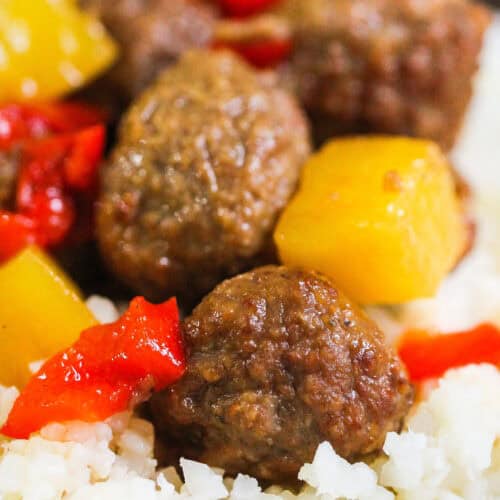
(279, 361)
(205, 161)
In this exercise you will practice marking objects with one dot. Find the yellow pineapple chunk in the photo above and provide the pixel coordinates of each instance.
(379, 215)
(49, 48)
(41, 313)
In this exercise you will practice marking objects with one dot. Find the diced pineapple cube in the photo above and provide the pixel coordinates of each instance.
(379, 215)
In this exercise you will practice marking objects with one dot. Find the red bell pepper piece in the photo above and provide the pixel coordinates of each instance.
(245, 8)
(52, 171)
(41, 193)
(430, 356)
(17, 232)
(71, 116)
(108, 370)
(261, 54)
(80, 167)
(19, 122)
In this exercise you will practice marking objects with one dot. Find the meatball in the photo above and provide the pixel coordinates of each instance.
(206, 160)
(390, 66)
(280, 360)
(152, 34)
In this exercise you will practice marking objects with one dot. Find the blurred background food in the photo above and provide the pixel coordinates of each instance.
(49, 49)
(151, 34)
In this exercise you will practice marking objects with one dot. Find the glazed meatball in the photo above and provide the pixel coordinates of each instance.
(152, 34)
(206, 160)
(279, 361)
(391, 66)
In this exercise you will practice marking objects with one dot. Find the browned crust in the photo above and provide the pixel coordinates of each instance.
(393, 66)
(279, 361)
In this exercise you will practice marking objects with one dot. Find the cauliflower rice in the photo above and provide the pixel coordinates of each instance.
(449, 450)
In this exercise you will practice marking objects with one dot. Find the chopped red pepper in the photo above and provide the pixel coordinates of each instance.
(71, 116)
(17, 232)
(52, 168)
(108, 370)
(19, 122)
(41, 193)
(80, 167)
(55, 170)
(261, 54)
(429, 356)
(245, 8)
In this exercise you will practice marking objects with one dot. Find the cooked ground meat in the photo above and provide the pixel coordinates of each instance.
(206, 160)
(152, 34)
(280, 360)
(8, 177)
(392, 66)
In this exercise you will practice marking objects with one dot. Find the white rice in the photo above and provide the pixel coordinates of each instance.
(103, 309)
(449, 450)
(452, 446)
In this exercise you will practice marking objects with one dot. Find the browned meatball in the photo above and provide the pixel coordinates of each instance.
(206, 160)
(152, 34)
(394, 66)
(279, 361)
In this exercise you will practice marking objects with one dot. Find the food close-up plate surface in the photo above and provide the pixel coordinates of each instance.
(249, 249)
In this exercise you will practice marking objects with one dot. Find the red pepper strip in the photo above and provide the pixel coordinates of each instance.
(41, 193)
(52, 168)
(19, 122)
(261, 54)
(17, 232)
(245, 8)
(109, 369)
(80, 167)
(71, 116)
(430, 356)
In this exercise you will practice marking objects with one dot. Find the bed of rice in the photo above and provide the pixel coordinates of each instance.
(449, 450)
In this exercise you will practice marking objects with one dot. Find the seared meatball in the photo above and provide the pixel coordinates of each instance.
(206, 160)
(279, 361)
(152, 34)
(393, 66)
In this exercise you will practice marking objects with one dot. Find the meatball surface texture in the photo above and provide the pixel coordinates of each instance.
(206, 160)
(279, 361)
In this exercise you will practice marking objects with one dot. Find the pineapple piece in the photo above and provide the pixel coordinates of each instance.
(49, 48)
(41, 313)
(380, 215)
